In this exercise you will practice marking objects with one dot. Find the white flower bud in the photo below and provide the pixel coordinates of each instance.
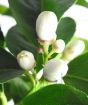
(59, 46)
(46, 25)
(74, 49)
(26, 60)
(55, 69)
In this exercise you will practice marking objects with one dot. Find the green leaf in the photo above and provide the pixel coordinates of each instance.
(16, 42)
(83, 3)
(77, 75)
(17, 88)
(66, 29)
(5, 10)
(57, 6)
(25, 13)
(56, 95)
(1, 39)
(9, 67)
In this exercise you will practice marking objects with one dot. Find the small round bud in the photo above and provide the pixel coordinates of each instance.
(46, 25)
(74, 49)
(40, 50)
(55, 69)
(26, 60)
(59, 46)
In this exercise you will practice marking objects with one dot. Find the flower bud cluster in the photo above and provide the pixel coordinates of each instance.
(46, 26)
(54, 69)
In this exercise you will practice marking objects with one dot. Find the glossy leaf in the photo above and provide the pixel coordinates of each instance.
(66, 29)
(56, 95)
(17, 88)
(16, 42)
(25, 13)
(1, 39)
(77, 75)
(9, 67)
(57, 6)
(83, 3)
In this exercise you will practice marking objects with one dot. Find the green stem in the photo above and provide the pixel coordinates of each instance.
(51, 53)
(45, 48)
(3, 98)
(45, 59)
(30, 77)
(58, 56)
(2, 95)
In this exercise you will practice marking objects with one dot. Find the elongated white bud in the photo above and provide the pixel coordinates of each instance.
(74, 49)
(46, 25)
(59, 46)
(26, 60)
(55, 69)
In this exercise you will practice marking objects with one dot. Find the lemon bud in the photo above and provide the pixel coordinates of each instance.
(74, 49)
(59, 46)
(46, 25)
(26, 60)
(55, 69)
(40, 50)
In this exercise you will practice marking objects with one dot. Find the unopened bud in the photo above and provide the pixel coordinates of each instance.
(55, 69)
(46, 25)
(40, 50)
(26, 60)
(74, 49)
(59, 46)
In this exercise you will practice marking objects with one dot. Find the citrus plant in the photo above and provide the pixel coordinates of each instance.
(45, 64)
